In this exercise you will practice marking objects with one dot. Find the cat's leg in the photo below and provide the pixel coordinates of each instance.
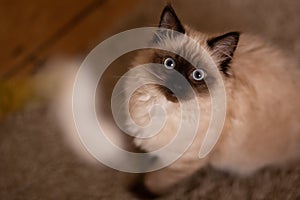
(161, 181)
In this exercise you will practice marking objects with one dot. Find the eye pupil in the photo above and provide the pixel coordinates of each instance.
(169, 63)
(198, 74)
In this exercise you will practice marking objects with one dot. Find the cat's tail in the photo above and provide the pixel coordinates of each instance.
(55, 83)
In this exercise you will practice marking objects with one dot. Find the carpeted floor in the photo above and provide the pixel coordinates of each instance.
(35, 163)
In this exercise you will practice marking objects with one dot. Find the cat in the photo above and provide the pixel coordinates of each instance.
(262, 111)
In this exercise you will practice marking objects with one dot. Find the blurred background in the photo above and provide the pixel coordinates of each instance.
(36, 162)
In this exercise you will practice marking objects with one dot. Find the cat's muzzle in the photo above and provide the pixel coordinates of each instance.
(176, 90)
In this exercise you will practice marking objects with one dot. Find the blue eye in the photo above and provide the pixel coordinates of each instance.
(198, 74)
(169, 63)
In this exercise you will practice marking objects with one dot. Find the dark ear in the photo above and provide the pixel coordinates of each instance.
(222, 48)
(170, 20)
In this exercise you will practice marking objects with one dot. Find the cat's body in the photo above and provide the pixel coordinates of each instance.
(262, 116)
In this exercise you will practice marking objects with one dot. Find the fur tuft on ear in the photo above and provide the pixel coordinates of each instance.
(222, 49)
(170, 20)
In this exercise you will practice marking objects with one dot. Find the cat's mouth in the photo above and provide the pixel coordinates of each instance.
(170, 96)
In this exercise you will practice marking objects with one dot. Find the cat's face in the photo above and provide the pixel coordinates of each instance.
(176, 64)
(219, 49)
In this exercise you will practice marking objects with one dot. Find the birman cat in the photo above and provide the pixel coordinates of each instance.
(262, 109)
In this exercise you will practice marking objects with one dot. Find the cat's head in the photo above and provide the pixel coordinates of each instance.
(199, 81)
(220, 49)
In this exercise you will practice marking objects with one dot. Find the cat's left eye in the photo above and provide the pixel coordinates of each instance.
(198, 74)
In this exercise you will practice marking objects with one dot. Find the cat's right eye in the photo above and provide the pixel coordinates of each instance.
(169, 63)
(198, 74)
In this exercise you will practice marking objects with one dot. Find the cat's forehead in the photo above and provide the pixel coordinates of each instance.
(190, 48)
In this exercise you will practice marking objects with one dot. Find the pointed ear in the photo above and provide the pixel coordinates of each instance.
(223, 48)
(170, 20)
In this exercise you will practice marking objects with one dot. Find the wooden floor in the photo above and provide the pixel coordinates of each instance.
(30, 33)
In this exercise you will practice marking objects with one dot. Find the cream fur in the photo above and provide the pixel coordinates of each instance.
(262, 121)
